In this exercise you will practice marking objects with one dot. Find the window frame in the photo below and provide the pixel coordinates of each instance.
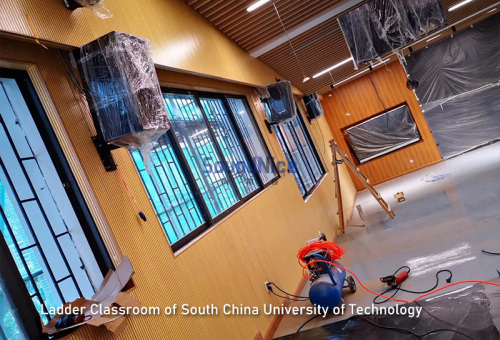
(188, 172)
(278, 128)
(15, 286)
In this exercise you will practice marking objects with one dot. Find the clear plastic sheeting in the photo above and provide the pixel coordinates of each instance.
(123, 91)
(468, 310)
(382, 134)
(459, 87)
(281, 103)
(381, 26)
(97, 8)
(313, 106)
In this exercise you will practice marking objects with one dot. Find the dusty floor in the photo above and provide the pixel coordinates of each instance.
(442, 225)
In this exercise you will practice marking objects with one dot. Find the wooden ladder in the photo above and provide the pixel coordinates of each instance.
(366, 182)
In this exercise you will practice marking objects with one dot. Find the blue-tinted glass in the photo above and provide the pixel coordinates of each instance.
(298, 148)
(34, 210)
(237, 162)
(200, 151)
(10, 326)
(168, 191)
(252, 139)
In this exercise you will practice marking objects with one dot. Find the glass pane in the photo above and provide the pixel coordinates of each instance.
(10, 325)
(236, 160)
(169, 191)
(307, 147)
(297, 155)
(199, 148)
(34, 209)
(253, 140)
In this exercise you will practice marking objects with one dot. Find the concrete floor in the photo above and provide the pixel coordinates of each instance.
(441, 225)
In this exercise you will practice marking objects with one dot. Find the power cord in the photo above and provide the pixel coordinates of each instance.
(309, 320)
(489, 252)
(298, 297)
(405, 330)
(399, 288)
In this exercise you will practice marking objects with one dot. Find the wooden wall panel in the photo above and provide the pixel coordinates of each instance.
(180, 37)
(361, 102)
(230, 263)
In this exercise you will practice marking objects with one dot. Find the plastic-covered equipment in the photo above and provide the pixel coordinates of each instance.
(281, 103)
(382, 134)
(313, 106)
(122, 89)
(97, 7)
(381, 26)
(459, 86)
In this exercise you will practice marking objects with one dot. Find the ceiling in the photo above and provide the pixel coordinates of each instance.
(313, 29)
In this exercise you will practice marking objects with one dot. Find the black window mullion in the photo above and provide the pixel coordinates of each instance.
(310, 143)
(191, 179)
(244, 145)
(301, 152)
(217, 146)
(278, 130)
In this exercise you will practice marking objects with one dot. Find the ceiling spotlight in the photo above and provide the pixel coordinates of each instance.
(305, 79)
(460, 4)
(257, 5)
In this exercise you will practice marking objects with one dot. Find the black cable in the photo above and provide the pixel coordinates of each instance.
(305, 323)
(286, 297)
(405, 330)
(398, 288)
(281, 290)
(489, 252)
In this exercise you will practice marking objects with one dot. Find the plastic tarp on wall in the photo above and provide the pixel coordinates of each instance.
(381, 26)
(460, 87)
(382, 134)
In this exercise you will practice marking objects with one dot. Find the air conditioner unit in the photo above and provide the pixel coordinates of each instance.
(122, 89)
(281, 103)
(313, 106)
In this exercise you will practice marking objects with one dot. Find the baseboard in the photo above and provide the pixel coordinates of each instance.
(277, 318)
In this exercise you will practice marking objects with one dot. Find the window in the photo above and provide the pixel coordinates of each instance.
(299, 151)
(382, 134)
(44, 231)
(210, 162)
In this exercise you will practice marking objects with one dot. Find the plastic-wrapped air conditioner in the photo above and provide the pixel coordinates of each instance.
(281, 103)
(122, 89)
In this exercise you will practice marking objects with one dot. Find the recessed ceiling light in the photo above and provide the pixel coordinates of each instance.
(460, 4)
(257, 5)
(435, 37)
(305, 79)
(333, 67)
(330, 95)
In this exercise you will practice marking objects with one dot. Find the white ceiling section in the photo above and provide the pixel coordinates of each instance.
(314, 32)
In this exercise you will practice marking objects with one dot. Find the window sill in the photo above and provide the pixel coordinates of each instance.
(315, 188)
(212, 228)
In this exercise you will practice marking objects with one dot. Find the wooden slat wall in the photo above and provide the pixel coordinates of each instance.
(256, 243)
(180, 38)
(361, 102)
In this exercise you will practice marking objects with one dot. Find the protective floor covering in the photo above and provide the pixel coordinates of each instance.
(442, 225)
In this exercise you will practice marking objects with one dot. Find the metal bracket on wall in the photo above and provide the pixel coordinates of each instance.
(104, 151)
(269, 126)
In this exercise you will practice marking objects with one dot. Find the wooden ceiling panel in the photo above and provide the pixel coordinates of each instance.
(317, 48)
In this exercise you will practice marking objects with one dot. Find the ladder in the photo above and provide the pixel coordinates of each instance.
(366, 182)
